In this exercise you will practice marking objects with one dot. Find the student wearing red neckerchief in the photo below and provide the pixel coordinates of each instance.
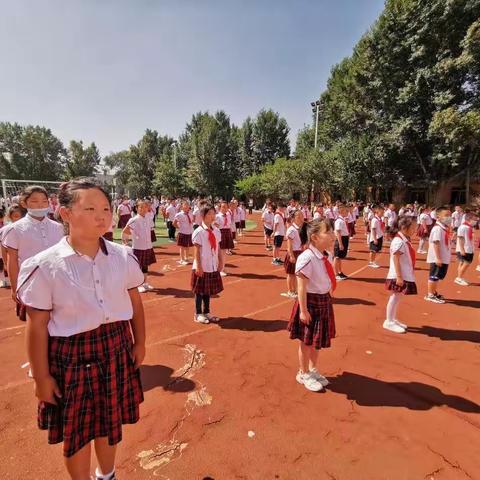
(401, 275)
(439, 253)
(279, 230)
(312, 320)
(183, 221)
(223, 220)
(377, 229)
(342, 239)
(465, 247)
(294, 249)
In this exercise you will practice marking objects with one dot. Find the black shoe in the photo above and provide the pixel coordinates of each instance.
(344, 277)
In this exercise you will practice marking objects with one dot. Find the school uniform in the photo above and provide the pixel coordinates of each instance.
(329, 215)
(197, 218)
(400, 243)
(90, 342)
(341, 227)
(351, 224)
(391, 217)
(236, 218)
(28, 237)
(233, 225)
(243, 216)
(457, 220)
(185, 229)
(425, 224)
(318, 214)
(268, 218)
(3, 268)
(316, 267)
(377, 224)
(224, 222)
(124, 214)
(440, 234)
(278, 229)
(209, 241)
(170, 213)
(293, 234)
(150, 216)
(466, 232)
(141, 241)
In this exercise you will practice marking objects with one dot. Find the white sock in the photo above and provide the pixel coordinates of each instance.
(392, 306)
(104, 476)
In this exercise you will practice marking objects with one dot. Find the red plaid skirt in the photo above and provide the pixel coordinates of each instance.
(153, 236)
(226, 243)
(184, 240)
(409, 288)
(210, 284)
(423, 232)
(123, 220)
(322, 327)
(289, 265)
(108, 236)
(101, 390)
(145, 257)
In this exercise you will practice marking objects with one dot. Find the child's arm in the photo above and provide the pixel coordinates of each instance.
(175, 223)
(4, 256)
(290, 248)
(36, 335)
(374, 233)
(339, 239)
(138, 327)
(302, 299)
(126, 232)
(436, 249)
(462, 245)
(13, 269)
(198, 260)
(398, 270)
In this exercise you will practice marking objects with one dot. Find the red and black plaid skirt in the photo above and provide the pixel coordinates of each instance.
(108, 236)
(101, 390)
(408, 288)
(242, 223)
(145, 257)
(123, 220)
(209, 284)
(184, 240)
(351, 229)
(423, 232)
(289, 265)
(153, 236)
(322, 327)
(226, 243)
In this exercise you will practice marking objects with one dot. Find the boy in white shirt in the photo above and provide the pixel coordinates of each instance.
(465, 247)
(278, 233)
(267, 217)
(377, 228)
(439, 253)
(341, 242)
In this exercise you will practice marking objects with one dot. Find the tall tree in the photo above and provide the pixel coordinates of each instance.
(82, 161)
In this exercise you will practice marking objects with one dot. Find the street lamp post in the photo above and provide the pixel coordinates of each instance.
(174, 145)
(315, 109)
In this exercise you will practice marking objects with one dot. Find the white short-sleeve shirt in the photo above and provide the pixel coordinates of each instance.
(341, 226)
(30, 236)
(438, 235)
(171, 211)
(141, 232)
(124, 209)
(400, 244)
(391, 217)
(317, 215)
(279, 225)
(268, 218)
(197, 216)
(224, 221)
(209, 257)
(81, 293)
(376, 224)
(464, 231)
(293, 234)
(425, 218)
(457, 218)
(310, 263)
(185, 223)
(242, 213)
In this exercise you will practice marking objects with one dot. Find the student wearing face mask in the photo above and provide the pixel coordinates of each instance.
(30, 235)
(439, 253)
(465, 247)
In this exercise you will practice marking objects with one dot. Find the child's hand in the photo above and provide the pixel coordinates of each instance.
(199, 272)
(399, 282)
(438, 264)
(305, 318)
(46, 389)
(138, 353)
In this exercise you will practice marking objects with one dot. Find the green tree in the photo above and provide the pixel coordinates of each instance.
(82, 161)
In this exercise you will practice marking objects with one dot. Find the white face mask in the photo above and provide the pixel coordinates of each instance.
(38, 212)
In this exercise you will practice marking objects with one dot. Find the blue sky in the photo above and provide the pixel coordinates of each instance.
(105, 70)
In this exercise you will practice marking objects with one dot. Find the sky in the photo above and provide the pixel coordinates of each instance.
(106, 70)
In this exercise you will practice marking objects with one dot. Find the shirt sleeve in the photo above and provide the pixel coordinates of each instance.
(461, 231)
(34, 287)
(131, 223)
(304, 266)
(436, 235)
(396, 245)
(135, 276)
(197, 237)
(338, 225)
(11, 239)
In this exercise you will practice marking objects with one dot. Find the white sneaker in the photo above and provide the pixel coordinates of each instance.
(316, 374)
(212, 318)
(223, 274)
(285, 294)
(309, 382)
(373, 265)
(339, 278)
(433, 298)
(200, 318)
(393, 326)
(142, 288)
(461, 281)
(183, 262)
(293, 294)
(401, 324)
(478, 268)
(149, 287)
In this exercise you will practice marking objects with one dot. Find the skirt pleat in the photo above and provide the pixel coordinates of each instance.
(289, 265)
(209, 284)
(184, 240)
(226, 242)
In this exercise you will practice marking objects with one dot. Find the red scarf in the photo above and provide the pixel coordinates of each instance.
(330, 272)
(446, 234)
(382, 225)
(470, 230)
(411, 250)
(211, 239)
(188, 217)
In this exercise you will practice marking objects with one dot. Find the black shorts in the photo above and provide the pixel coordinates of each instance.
(337, 253)
(467, 258)
(437, 273)
(378, 247)
(268, 231)
(278, 240)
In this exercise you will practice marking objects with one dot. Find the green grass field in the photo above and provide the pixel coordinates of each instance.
(161, 231)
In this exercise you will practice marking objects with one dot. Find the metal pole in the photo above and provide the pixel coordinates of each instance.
(316, 125)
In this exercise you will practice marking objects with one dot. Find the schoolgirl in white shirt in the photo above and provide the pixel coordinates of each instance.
(267, 217)
(465, 247)
(312, 320)
(341, 242)
(377, 228)
(124, 212)
(32, 234)
(294, 249)
(279, 231)
(83, 307)
(425, 224)
(170, 213)
(401, 275)
(206, 279)
(184, 223)
(139, 228)
(14, 213)
(223, 221)
(232, 210)
(242, 212)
